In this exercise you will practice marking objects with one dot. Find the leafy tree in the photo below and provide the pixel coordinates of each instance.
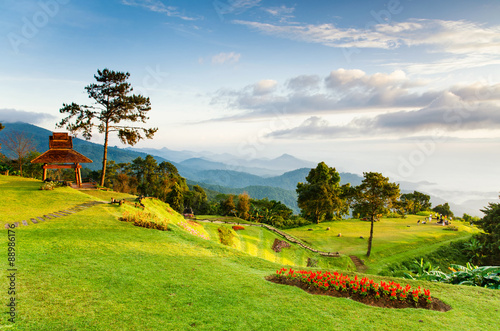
(114, 110)
(374, 196)
(1, 128)
(490, 239)
(227, 206)
(197, 199)
(443, 210)
(244, 206)
(32, 170)
(175, 198)
(415, 202)
(20, 145)
(320, 197)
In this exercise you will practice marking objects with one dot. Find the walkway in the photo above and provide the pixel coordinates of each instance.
(62, 213)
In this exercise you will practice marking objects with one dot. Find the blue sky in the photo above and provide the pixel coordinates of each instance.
(407, 88)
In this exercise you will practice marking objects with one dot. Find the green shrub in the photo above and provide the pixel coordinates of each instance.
(451, 228)
(423, 213)
(48, 186)
(225, 236)
(145, 220)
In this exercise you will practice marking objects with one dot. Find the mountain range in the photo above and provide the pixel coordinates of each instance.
(275, 178)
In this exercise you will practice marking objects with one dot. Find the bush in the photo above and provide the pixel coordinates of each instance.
(451, 228)
(394, 215)
(238, 227)
(423, 213)
(145, 220)
(225, 236)
(48, 186)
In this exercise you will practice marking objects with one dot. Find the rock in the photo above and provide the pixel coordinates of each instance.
(339, 235)
(361, 237)
(407, 226)
(328, 229)
(309, 229)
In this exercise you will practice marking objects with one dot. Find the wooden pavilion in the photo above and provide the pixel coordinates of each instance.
(62, 156)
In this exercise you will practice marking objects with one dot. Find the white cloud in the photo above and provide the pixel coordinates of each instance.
(447, 114)
(283, 12)
(341, 91)
(158, 6)
(471, 44)
(223, 58)
(14, 115)
(265, 86)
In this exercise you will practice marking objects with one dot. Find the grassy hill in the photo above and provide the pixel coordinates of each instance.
(395, 240)
(90, 271)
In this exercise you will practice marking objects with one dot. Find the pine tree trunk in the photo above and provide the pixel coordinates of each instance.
(105, 156)
(370, 239)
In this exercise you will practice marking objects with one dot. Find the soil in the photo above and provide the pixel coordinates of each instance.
(383, 302)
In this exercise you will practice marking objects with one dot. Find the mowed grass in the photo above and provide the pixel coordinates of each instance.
(394, 239)
(25, 199)
(258, 241)
(89, 271)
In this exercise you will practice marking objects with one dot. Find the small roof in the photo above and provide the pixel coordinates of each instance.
(61, 156)
(61, 151)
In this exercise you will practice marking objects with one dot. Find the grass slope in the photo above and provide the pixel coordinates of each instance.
(394, 239)
(89, 271)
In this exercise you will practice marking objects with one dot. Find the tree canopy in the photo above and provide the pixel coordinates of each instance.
(443, 209)
(375, 195)
(490, 239)
(114, 110)
(320, 198)
(415, 202)
(20, 145)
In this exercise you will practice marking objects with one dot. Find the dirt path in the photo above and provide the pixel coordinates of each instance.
(360, 266)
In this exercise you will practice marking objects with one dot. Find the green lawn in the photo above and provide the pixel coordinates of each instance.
(394, 239)
(89, 271)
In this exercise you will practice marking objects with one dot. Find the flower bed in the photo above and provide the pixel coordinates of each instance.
(238, 227)
(186, 226)
(367, 291)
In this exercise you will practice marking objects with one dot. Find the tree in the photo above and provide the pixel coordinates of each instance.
(443, 210)
(244, 206)
(114, 110)
(374, 196)
(490, 239)
(227, 206)
(415, 202)
(175, 198)
(320, 197)
(32, 170)
(1, 128)
(19, 144)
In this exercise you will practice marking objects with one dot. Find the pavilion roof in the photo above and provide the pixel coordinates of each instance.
(61, 151)
(61, 156)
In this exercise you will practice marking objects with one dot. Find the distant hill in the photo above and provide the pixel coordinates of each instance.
(210, 161)
(215, 172)
(91, 150)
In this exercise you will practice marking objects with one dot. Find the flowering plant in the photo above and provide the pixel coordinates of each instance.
(364, 287)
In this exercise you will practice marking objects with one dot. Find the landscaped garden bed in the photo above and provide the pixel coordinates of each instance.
(364, 290)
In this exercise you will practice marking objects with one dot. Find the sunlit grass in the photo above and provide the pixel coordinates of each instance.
(89, 271)
(394, 239)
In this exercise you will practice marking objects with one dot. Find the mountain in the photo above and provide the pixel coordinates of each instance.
(233, 175)
(175, 156)
(225, 161)
(91, 150)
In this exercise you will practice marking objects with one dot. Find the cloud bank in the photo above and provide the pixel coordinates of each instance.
(14, 115)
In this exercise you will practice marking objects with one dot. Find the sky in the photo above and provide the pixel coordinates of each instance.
(407, 88)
